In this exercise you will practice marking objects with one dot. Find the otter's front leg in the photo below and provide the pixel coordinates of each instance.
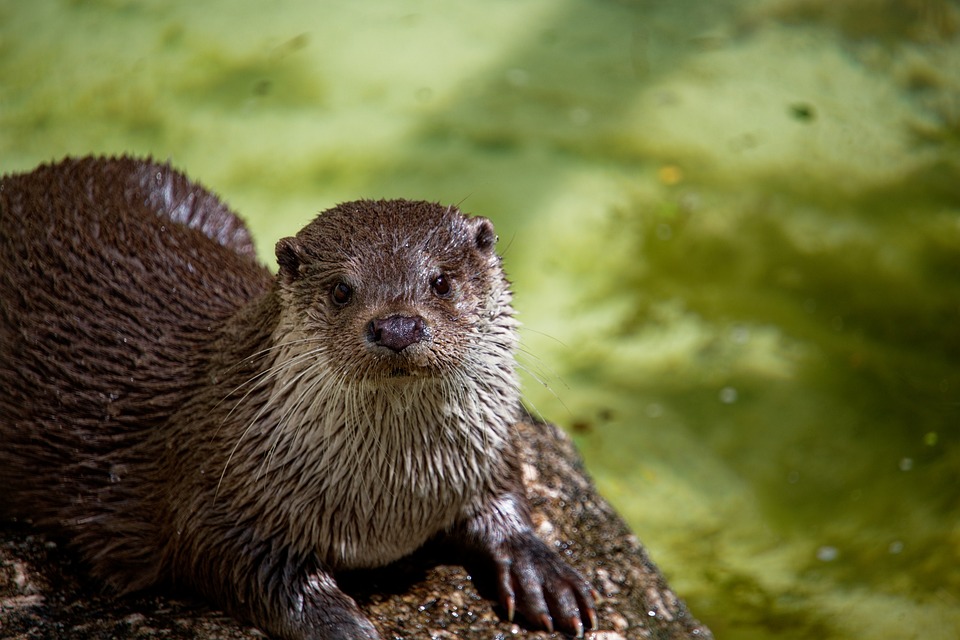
(321, 611)
(294, 599)
(531, 578)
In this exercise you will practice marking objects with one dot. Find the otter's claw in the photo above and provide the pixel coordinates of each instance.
(547, 592)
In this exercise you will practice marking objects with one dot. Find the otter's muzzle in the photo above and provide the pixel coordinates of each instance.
(397, 332)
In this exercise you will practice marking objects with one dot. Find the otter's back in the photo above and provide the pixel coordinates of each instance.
(115, 275)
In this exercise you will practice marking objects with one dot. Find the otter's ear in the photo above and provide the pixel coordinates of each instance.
(484, 236)
(290, 259)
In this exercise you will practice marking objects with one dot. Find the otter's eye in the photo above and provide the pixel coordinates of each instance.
(341, 293)
(441, 286)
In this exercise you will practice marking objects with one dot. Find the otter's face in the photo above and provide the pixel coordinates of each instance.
(394, 289)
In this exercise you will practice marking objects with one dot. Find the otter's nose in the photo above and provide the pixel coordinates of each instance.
(396, 332)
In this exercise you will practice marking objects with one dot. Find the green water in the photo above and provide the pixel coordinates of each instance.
(733, 228)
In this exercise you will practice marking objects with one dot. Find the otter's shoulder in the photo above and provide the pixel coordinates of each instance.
(143, 182)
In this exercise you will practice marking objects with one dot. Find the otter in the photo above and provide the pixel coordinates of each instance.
(181, 417)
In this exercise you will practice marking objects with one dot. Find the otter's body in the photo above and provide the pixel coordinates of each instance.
(180, 416)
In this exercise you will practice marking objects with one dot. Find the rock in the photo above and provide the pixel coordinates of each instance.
(43, 593)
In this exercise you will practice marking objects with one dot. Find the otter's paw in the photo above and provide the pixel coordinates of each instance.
(323, 612)
(534, 581)
(354, 629)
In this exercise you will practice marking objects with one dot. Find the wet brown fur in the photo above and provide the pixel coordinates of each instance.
(179, 415)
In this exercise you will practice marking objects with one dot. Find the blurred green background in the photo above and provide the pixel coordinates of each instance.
(733, 228)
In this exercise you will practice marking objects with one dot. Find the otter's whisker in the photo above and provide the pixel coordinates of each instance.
(270, 373)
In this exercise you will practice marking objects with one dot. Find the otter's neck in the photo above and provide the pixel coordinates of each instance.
(383, 464)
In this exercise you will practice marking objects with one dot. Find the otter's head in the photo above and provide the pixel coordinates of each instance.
(394, 290)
